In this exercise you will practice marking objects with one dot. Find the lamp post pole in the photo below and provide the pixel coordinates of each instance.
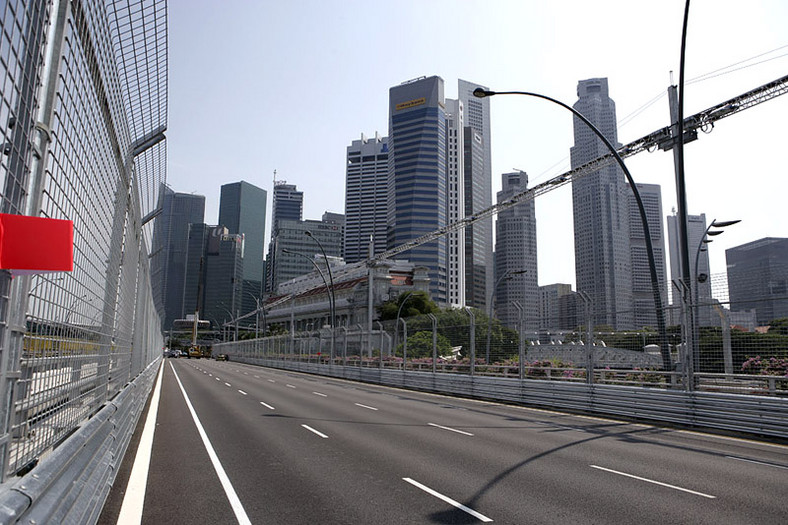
(256, 316)
(506, 275)
(658, 306)
(328, 291)
(396, 322)
(697, 279)
(332, 300)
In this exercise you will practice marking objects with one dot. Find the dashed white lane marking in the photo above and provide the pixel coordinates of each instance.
(242, 392)
(290, 386)
(235, 503)
(228, 384)
(480, 517)
(267, 405)
(654, 482)
(364, 406)
(315, 431)
(271, 381)
(319, 394)
(450, 429)
(133, 501)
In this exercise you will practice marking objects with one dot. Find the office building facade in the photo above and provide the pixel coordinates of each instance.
(242, 208)
(366, 190)
(417, 175)
(168, 259)
(645, 314)
(600, 205)
(550, 295)
(455, 202)
(287, 204)
(515, 253)
(758, 278)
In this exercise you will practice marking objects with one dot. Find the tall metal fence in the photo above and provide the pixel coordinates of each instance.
(82, 115)
(729, 359)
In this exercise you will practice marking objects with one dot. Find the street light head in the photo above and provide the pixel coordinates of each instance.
(481, 93)
(308, 233)
(714, 232)
(723, 224)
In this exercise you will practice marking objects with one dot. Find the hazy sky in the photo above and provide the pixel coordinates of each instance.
(258, 86)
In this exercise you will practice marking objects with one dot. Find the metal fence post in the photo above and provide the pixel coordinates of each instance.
(472, 330)
(434, 341)
(520, 348)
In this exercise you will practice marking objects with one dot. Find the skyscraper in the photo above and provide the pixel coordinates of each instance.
(645, 314)
(515, 251)
(455, 201)
(417, 175)
(288, 204)
(168, 257)
(758, 278)
(365, 197)
(696, 228)
(601, 213)
(477, 116)
(478, 236)
(242, 211)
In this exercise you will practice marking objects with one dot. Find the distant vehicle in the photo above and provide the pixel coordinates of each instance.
(194, 351)
(221, 357)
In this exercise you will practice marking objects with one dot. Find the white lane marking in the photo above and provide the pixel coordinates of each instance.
(364, 406)
(241, 391)
(290, 386)
(257, 377)
(757, 462)
(319, 394)
(315, 431)
(448, 500)
(451, 429)
(228, 384)
(246, 373)
(654, 482)
(267, 405)
(235, 503)
(218, 379)
(271, 381)
(133, 501)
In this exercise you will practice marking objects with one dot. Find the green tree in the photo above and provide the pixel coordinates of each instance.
(416, 303)
(420, 345)
(779, 326)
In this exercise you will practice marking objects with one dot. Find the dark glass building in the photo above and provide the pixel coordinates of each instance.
(758, 278)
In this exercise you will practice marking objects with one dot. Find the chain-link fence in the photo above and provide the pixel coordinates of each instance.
(82, 112)
(728, 358)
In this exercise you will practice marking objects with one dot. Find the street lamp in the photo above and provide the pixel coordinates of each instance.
(508, 274)
(257, 314)
(664, 349)
(328, 292)
(704, 240)
(331, 298)
(407, 296)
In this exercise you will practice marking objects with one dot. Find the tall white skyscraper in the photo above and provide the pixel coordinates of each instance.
(696, 228)
(365, 197)
(600, 203)
(455, 201)
(478, 194)
(515, 251)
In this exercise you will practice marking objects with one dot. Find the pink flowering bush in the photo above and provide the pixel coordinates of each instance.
(772, 366)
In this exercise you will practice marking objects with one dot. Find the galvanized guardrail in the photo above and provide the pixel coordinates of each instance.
(72, 483)
(755, 415)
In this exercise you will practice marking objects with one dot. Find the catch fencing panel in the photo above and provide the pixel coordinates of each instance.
(82, 114)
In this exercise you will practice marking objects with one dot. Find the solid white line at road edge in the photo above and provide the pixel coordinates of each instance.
(448, 500)
(235, 503)
(131, 508)
(654, 482)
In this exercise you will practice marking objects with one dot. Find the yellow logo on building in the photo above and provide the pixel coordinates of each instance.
(411, 103)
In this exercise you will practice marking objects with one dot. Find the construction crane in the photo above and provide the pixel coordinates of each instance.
(662, 139)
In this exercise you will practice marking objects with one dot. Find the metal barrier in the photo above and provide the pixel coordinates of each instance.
(72, 483)
(756, 415)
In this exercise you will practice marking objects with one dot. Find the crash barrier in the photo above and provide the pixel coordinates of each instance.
(71, 484)
(757, 415)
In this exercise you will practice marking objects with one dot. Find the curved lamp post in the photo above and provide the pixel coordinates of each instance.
(506, 276)
(407, 295)
(328, 292)
(664, 349)
(331, 299)
(697, 280)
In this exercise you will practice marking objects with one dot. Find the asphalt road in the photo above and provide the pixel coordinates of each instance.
(293, 448)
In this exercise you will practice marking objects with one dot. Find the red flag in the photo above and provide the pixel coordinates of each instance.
(36, 244)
